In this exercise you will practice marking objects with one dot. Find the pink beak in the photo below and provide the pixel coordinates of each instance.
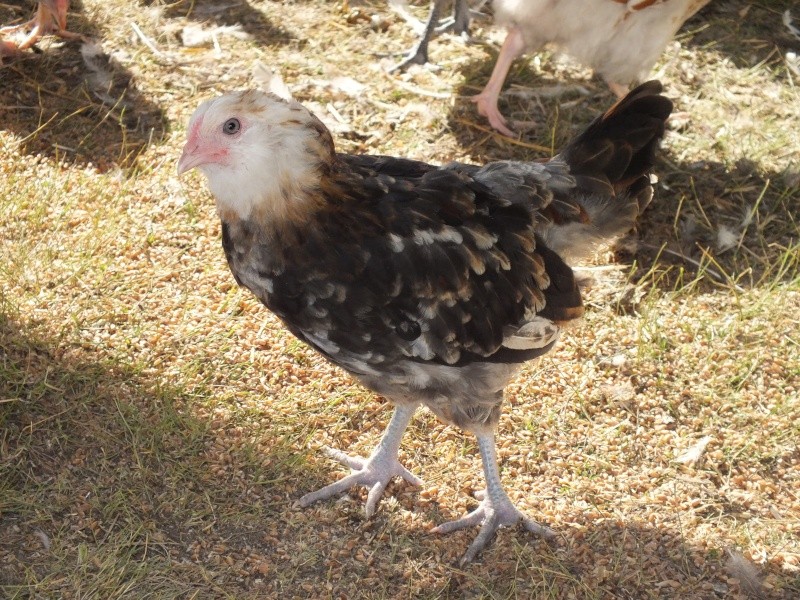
(191, 157)
(196, 154)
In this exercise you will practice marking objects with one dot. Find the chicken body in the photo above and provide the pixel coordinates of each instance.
(620, 39)
(431, 285)
(51, 17)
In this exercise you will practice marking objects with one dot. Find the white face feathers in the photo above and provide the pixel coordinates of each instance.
(259, 153)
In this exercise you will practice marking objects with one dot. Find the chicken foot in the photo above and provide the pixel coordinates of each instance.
(486, 101)
(374, 472)
(495, 510)
(51, 17)
(459, 25)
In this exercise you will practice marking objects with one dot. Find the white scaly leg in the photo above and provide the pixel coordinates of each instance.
(496, 509)
(376, 471)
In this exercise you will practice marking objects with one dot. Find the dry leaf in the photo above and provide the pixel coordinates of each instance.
(693, 454)
(348, 85)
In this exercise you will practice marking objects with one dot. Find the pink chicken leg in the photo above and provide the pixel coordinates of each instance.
(487, 100)
(51, 17)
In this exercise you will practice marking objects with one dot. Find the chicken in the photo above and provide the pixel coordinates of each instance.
(460, 24)
(620, 39)
(430, 285)
(51, 17)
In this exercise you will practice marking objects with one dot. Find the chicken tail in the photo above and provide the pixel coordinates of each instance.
(611, 163)
(619, 146)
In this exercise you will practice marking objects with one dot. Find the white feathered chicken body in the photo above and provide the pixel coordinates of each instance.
(620, 39)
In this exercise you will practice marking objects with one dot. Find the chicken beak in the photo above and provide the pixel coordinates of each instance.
(190, 158)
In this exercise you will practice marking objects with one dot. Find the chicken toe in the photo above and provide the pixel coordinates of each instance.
(487, 107)
(486, 101)
(51, 17)
(374, 472)
(495, 510)
(491, 516)
(7, 49)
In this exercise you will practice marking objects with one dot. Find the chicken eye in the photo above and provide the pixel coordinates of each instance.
(231, 126)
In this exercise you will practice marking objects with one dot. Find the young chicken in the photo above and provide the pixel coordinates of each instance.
(51, 17)
(620, 39)
(431, 285)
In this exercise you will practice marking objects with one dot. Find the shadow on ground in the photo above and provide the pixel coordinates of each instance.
(739, 28)
(235, 13)
(79, 110)
(92, 446)
(98, 448)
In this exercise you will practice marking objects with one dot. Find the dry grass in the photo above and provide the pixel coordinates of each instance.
(156, 424)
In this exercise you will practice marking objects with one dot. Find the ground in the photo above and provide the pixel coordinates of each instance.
(157, 424)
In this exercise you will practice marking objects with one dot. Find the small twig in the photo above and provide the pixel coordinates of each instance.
(421, 92)
(217, 47)
(400, 8)
(599, 268)
(145, 40)
(336, 114)
(682, 256)
(751, 213)
(36, 131)
(547, 91)
(700, 205)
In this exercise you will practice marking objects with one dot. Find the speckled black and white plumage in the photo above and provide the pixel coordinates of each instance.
(429, 284)
(412, 281)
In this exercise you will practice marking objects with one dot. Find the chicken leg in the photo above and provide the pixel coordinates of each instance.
(51, 17)
(376, 471)
(495, 510)
(486, 101)
(460, 23)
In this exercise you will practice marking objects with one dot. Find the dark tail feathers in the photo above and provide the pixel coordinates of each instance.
(618, 148)
(611, 162)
